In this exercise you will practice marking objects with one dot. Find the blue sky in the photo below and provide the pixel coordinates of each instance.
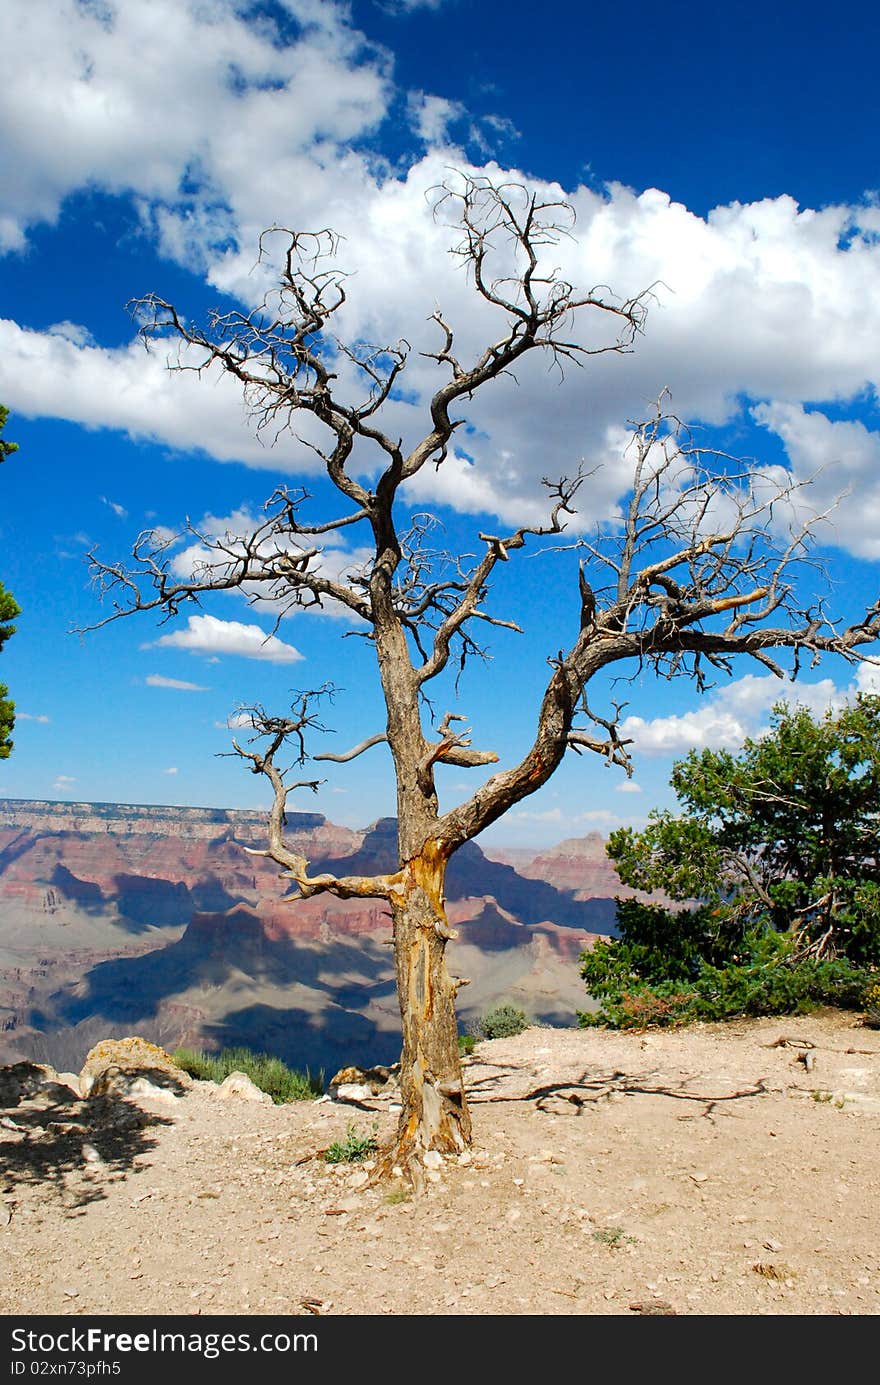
(727, 151)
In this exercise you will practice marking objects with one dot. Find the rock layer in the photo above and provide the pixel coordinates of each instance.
(116, 918)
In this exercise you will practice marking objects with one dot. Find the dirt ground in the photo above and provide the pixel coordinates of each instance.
(707, 1171)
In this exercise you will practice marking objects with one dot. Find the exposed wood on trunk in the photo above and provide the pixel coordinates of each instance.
(435, 1111)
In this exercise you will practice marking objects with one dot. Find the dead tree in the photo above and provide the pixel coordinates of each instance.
(700, 570)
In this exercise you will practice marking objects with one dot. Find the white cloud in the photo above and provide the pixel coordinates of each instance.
(63, 783)
(133, 390)
(709, 727)
(119, 510)
(628, 786)
(208, 635)
(740, 709)
(31, 716)
(73, 332)
(432, 116)
(754, 268)
(152, 98)
(271, 131)
(839, 464)
(172, 770)
(156, 680)
(235, 721)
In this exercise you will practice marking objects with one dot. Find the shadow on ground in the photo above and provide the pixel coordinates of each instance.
(53, 1141)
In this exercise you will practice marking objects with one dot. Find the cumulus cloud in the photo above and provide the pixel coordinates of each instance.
(432, 116)
(178, 101)
(740, 709)
(156, 680)
(129, 389)
(628, 786)
(838, 464)
(209, 635)
(768, 303)
(63, 783)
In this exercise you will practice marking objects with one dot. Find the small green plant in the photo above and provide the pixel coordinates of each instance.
(822, 1096)
(503, 1022)
(352, 1150)
(270, 1074)
(613, 1237)
(466, 1043)
(398, 1195)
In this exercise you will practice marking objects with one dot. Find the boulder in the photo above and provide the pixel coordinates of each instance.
(115, 1066)
(239, 1086)
(359, 1084)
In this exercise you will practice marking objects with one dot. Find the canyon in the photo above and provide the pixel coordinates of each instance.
(118, 919)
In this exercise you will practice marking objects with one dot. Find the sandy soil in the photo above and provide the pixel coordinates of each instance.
(709, 1171)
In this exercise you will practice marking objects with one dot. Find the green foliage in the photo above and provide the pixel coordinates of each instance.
(613, 1237)
(784, 834)
(503, 1022)
(352, 1150)
(466, 1044)
(9, 609)
(768, 979)
(779, 848)
(6, 448)
(269, 1074)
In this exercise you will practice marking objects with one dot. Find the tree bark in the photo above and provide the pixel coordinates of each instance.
(435, 1111)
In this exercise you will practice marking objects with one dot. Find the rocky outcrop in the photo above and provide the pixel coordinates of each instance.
(130, 1067)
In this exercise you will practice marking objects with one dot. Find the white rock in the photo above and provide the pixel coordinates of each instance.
(239, 1085)
(432, 1159)
(143, 1087)
(353, 1091)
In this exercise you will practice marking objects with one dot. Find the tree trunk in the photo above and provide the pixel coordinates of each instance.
(435, 1112)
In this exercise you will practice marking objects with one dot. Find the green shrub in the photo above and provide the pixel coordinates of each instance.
(466, 1043)
(270, 1074)
(503, 1022)
(765, 977)
(352, 1150)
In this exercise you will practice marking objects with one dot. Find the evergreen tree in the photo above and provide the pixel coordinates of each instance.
(775, 860)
